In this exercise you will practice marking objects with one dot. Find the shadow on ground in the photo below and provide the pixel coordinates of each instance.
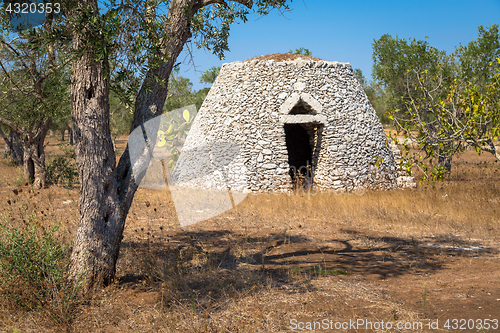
(204, 267)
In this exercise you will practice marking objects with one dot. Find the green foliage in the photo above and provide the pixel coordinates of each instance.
(24, 106)
(467, 116)
(395, 58)
(196, 98)
(33, 268)
(121, 115)
(181, 94)
(377, 95)
(210, 75)
(301, 51)
(35, 86)
(477, 59)
(174, 128)
(210, 25)
(379, 98)
(62, 169)
(360, 77)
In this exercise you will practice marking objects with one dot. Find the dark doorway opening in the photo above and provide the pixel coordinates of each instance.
(300, 154)
(300, 109)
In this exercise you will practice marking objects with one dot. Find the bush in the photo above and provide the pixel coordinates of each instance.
(62, 169)
(33, 269)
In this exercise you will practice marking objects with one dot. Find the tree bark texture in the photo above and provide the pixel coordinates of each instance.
(34, 156)
(106, 195)
(70, 134)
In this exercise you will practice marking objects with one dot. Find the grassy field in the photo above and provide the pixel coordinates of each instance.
(404, 256)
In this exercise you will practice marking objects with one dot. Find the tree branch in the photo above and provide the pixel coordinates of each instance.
(10, 77)
(16, 52)
(198, 4)
(11, 125)
(492, 149)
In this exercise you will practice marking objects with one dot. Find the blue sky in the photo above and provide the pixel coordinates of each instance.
(344, 30)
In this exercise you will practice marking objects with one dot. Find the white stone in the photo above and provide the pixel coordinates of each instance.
(302, 119)
(312, 102)
(269, 166)
(282, 95)
(299, 86)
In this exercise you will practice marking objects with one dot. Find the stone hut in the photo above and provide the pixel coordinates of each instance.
(279, 122)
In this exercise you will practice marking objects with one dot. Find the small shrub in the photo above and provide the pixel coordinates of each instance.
(62, 169)
(33, 269)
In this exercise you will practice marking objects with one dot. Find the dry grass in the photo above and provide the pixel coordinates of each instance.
(466, 206)
(283, 57)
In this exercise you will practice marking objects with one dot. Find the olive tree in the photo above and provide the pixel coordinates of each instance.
(463, 112)
(162, 29)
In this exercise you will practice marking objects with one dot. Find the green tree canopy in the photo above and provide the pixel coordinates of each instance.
(360, 77)
(181, 92)
(376, 94)
(210, 75)
(394, 58)
(477, 59)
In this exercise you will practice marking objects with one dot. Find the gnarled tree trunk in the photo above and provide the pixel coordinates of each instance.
(445, 161)
(70, 134)
(34, 171)
(13, 147)
(444, 154)
(33, 154)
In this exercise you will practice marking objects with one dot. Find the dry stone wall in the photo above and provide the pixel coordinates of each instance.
(240, 129)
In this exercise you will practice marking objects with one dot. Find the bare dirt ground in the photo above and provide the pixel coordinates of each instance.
(405, 256)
